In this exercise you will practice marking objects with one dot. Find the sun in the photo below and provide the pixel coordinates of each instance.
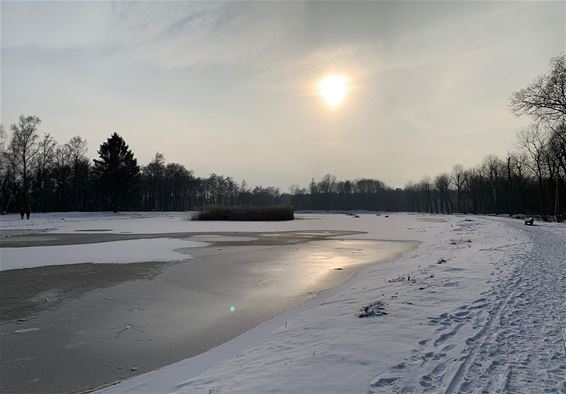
(333, 89)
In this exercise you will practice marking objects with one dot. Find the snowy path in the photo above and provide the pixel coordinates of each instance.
(511, 339)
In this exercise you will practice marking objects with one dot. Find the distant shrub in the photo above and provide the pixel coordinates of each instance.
(246, 213)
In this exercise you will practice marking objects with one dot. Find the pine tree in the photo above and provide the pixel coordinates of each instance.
(117, 172)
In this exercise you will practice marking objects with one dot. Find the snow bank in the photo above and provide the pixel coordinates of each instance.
(157, 249)
(431, 296)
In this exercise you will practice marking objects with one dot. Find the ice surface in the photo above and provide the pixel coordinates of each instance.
(139, 250)
(378, 227)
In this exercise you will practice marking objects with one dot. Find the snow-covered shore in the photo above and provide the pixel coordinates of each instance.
(480, 304)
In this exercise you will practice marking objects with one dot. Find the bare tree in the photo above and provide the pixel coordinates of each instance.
(516, 181)
(442, 185)
(493, 167)
(3, 157)
(43, 163)
(77, 149)
(533, 141)
(23, 148)
(545, 98)
(5, 173)
(62, 169)
(425, 189)
(458, 180)
(327, 186)
(552, 168)
(557, 149)
(153, 176)
(557, 145)
(2, 138)
(293, 189)
(45, 154)
(80, 164)
(474, 184)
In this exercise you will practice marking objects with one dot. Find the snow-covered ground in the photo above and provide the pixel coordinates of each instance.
(479, 306)
(131, 251)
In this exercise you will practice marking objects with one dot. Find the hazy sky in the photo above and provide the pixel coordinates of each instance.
(231, 87)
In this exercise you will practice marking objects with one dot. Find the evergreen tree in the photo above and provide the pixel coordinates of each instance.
(117, 172)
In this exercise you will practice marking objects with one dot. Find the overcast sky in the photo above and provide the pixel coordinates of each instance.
(231, 87)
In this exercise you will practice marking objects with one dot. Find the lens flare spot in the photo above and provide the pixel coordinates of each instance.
(232, 308)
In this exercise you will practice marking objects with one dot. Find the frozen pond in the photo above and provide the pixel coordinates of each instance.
(73, 328)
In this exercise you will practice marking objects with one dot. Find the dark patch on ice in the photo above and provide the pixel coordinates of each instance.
(29, 291)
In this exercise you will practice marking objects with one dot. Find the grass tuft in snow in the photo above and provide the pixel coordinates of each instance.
(374, 309)
(403, 278)
(460, 241)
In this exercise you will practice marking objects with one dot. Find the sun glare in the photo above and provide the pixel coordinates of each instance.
(333, 89)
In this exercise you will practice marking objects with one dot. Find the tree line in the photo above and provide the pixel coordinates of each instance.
(38, 174)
